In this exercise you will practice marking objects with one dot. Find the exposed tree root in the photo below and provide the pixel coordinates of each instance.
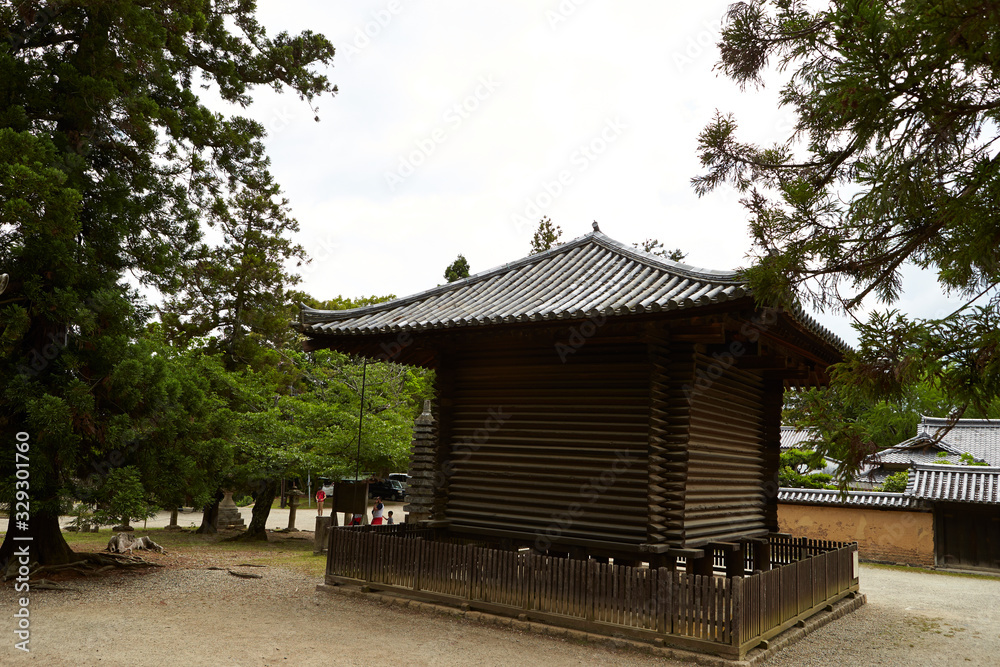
(245, 575)
(124, 542)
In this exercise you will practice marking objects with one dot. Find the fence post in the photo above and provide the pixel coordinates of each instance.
(469, 570)
(529, 575)
(419, 568)
(590, 589)
(736, 614)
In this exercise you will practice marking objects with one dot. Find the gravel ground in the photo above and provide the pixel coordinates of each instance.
(189, 615)
(912, 618)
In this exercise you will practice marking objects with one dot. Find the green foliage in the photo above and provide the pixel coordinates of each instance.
(967, 459)
(238, 292)
(895, 483)
(545, 237)
(795, 470)
(110, 165)
(849, 426)
(123, 498)
(891, 160)
(654, 247)
(457, 270)
(340, 302)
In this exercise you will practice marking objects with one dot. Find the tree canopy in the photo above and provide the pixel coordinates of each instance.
(457, 270)
(545, 237)
(892, 161)
(655, 247)
(110, 168)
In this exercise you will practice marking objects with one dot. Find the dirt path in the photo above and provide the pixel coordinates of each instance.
(186, 614)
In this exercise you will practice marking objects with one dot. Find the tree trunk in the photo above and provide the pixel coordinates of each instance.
(46, 544)
(293, 504)
(210, 517)
(173, 518)
(261, 508)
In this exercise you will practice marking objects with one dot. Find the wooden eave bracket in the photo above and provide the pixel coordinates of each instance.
(686, 553)
(654, 548)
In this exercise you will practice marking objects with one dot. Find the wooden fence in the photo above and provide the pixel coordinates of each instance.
(715, 614)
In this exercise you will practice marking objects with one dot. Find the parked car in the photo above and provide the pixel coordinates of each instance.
(386, 489)
(400, 477)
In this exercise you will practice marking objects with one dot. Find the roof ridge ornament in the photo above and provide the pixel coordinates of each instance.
(596, 228)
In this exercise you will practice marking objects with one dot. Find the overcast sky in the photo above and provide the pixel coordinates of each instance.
(459, 124)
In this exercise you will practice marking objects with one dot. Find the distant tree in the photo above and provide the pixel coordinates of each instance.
(895, 483)
(654, 247)
(796, 470)
(892, 159)
(457, 270)
(123, 498)
(340, 302)
(235, 295)
(546, 236)
(885, 422)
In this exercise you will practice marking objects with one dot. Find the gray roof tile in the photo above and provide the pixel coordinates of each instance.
(964, 484)
(590, 276)
(979, 437)
(833, 497)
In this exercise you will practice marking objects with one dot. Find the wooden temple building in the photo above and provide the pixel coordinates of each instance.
(604, 411)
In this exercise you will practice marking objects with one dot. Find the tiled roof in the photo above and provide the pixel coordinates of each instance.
(920, 449)
(590, 276)
(979, 437)
(964, 484)
(878, 500)
(792, 438)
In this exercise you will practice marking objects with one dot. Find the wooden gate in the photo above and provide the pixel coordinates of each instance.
(967, 535)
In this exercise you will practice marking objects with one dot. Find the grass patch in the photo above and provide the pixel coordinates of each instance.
(294, 553)
(924, 570)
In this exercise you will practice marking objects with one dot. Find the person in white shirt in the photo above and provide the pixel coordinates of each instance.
(377, 512)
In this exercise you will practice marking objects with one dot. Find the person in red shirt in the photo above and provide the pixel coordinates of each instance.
(320, 497)
(377, 512)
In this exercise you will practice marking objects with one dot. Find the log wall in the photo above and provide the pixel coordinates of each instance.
(548, 448)
(724, 495)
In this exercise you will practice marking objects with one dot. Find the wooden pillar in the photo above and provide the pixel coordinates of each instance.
(657, 561)
(773, 400)
(762, 555)
(704, 566)
(445, 389)
(733, 555)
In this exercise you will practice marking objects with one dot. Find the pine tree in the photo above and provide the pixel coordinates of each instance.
(110, 166)
(545, 237)
(892, 159)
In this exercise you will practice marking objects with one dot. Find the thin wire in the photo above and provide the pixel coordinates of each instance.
(361, 417)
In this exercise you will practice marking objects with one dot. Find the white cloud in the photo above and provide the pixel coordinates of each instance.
(402, 67)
